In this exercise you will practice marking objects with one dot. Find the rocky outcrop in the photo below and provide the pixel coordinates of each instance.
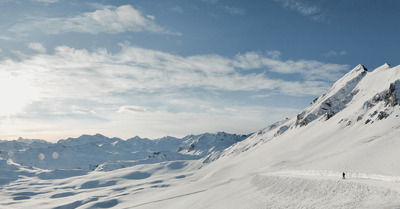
(335, 99)
(391, 96)
(394, 94)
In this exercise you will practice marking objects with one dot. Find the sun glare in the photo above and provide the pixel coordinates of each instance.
(15, 94)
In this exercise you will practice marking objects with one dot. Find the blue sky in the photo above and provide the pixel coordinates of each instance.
(176, 67)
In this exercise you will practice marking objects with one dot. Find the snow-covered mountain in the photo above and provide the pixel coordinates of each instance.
(295, 163)
(90, 152)
(353, 127)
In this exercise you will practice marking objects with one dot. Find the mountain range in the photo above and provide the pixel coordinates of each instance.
(98, 152)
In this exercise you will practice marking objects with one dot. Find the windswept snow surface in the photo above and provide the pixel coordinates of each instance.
(295, 163)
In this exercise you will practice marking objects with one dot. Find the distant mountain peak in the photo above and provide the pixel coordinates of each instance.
(382, 67)
(360, 67)
(91, 151)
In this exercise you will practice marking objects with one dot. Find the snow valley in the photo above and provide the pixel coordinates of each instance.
(295, 163)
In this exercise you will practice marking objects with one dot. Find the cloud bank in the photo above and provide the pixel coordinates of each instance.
(137, 90)
(109, 19)
(138, 69)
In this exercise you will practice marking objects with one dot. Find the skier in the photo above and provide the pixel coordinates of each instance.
(343, 174)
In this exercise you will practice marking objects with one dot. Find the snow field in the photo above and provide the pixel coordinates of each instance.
(288, 191)
(119, 189)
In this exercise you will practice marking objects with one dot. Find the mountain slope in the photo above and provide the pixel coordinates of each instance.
(298, 162)
(359, 135)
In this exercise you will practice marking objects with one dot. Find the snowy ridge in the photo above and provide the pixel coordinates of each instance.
(335, 99)
(363, 97)
(366, 107)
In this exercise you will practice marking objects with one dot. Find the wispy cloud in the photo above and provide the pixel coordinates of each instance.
(37, 47)
(210, 1)
(274, 54)
(161, 91)
(334, 54)
(226, 8)
(108, 19)
(131, 109)
(46, 1)
(233, 10)
(149, 70)
(311, 70)
(75, 75)
(6, 38)
(315, 12)
(177, 9)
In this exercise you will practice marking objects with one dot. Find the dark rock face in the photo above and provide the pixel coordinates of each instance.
(328, 115)
(393, 94)
(281, 130)
(303, 121)
(382, 115)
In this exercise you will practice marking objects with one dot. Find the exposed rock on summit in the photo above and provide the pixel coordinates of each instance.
(335, 99)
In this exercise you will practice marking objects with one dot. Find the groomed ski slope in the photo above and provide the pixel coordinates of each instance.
(181, 185)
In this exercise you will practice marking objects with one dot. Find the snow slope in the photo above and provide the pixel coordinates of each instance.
(295, 163)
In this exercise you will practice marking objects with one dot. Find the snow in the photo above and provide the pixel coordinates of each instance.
(291, 164)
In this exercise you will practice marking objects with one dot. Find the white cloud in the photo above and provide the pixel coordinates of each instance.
(37, 47)
(99, 72)
(274, 54)
(299, 6)
(210, 1)
(311, 70)
(165, 93)
(305, 9)
(46, 1)
(131, 109)
(108, 19)
(233, 10)
(19, 54)
(334, 54)
(16, 91)
(6, 38)
(177, 9)
(151, 17)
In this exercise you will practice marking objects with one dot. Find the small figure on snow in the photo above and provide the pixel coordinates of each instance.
(344, 175)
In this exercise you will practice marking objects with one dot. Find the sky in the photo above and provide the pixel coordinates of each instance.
(154, 68)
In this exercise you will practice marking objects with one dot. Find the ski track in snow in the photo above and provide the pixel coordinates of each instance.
(334, 174)
(325, 189)
(281, 189)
